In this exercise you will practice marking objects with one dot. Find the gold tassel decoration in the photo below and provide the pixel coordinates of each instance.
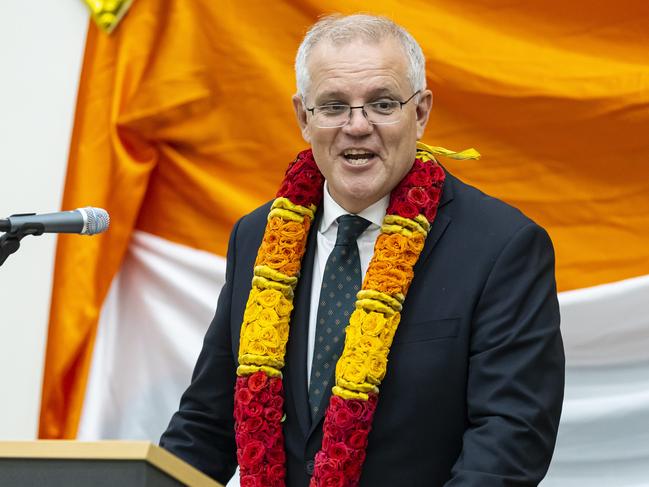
(108, 13)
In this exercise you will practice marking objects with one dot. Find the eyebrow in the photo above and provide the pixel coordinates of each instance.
(339, 95)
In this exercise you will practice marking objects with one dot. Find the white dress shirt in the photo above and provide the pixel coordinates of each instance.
(327, 232)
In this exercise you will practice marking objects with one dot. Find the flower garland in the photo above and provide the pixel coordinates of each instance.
(259, 396)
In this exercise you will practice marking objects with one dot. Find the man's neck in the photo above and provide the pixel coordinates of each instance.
(332, 210)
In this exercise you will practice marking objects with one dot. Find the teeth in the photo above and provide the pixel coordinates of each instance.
(356, 152)
(358, 162)
(358, 157)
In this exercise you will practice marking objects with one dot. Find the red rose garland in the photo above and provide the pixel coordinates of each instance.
(418, 193)
(258, 411)
(303, 182)
(347, 424)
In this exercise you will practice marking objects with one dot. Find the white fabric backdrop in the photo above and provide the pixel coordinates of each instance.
(150, 333)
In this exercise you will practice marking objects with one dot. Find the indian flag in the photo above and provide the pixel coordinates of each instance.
(184, 124)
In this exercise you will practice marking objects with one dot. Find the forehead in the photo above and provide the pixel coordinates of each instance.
(357, 68)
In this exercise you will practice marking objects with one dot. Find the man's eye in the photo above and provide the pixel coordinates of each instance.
(384, 106)
(333, 109)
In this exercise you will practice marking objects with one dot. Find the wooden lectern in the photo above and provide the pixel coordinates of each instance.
(54, 463)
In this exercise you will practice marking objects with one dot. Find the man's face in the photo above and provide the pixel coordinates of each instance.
(362, 162)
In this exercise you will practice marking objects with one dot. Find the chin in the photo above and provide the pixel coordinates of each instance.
(359, 196)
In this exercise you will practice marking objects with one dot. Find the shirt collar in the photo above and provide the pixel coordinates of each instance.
(332, 210)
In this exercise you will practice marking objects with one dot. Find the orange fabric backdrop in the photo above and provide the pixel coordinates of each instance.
(184, 123)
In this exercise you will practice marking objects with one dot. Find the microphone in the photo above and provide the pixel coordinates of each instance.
(86, 221)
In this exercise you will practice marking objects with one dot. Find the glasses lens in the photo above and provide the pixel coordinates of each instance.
(383, 112)
(328, 116)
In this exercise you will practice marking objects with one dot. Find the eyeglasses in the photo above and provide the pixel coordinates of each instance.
(382, 112)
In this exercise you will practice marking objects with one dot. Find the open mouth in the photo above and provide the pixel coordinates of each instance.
(358, 157)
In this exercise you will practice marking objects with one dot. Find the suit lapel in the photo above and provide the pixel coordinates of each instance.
(296, 355)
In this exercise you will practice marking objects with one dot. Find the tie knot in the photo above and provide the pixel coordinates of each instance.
(350, 228)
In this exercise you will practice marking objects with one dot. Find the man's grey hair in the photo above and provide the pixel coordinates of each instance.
(339, 29)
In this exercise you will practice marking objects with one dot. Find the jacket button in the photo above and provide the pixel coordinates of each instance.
(310, 465)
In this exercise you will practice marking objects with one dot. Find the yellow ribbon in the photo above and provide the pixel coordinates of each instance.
(441, 151)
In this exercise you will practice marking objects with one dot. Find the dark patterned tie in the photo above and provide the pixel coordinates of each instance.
(340, 283)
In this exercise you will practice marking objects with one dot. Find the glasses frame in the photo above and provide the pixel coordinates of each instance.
(362, 108)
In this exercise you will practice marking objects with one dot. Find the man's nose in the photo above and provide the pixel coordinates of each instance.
(358, 123)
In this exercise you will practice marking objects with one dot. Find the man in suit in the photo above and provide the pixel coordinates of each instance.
(474, 384)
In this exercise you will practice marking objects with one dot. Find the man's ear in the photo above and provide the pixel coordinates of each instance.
(424, 106)
(300, 114)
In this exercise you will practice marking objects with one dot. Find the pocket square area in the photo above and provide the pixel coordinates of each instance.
(427, 330)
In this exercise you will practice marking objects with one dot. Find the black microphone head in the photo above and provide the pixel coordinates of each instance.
(96, 220)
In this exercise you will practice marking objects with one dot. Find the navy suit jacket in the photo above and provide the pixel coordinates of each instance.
(474, 387)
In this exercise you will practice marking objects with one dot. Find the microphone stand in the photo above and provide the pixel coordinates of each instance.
(10, 241)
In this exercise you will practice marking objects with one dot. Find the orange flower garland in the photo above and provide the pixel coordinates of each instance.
(363, 362)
